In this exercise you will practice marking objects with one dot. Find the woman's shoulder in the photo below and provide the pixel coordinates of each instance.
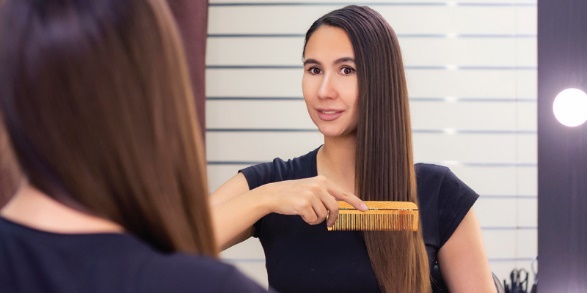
(279, 170)
(181, 272)
(426, 169)
(441, 179)
(444, 199)
(303, 162)
(430, 176)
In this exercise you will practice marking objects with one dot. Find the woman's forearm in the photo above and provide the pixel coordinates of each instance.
(234, 219)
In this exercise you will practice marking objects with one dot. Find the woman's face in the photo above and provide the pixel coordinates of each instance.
(329, 84)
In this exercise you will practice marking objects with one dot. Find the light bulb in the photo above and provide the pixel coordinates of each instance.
(570, 107)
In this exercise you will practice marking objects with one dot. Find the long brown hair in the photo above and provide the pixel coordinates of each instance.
(384, 165)
(98, 106)
(9, 173)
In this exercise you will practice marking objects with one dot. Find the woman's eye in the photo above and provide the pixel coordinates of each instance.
(314, 70)
(347, 70)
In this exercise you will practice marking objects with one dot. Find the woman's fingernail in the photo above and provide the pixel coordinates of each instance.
(364, 207)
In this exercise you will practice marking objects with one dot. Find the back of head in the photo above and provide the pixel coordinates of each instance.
(384, 162)
(98, 106)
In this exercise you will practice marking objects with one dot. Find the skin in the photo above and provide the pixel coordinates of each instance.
(330, 90)
(32, 208)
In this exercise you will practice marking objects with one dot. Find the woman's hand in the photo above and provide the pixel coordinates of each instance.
(235, 208)
(312, 198)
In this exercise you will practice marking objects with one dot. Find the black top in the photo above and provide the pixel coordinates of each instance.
(306, 258)
(37, 261)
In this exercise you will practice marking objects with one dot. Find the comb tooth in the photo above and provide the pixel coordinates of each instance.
(349, 222)
(410, 223)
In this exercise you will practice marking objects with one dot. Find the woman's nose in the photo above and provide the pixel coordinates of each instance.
(327, 88)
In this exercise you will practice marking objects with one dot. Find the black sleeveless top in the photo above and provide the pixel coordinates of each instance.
(37, 261)
(306, 258)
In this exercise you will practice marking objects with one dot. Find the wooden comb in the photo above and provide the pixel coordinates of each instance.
(381, 216)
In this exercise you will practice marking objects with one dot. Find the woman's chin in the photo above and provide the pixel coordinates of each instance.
(334, 133)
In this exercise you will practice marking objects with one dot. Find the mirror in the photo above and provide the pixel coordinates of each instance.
(471, 69)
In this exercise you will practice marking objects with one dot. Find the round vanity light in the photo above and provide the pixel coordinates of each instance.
(570, 107)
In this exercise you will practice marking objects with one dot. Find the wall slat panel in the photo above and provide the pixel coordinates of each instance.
(428, 147)
(416, 51)
(513, 180)
(292, 114)
(489, 84)
(439, 19)
(471, 70)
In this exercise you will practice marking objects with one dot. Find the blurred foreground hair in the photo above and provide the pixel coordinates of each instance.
(97, 102)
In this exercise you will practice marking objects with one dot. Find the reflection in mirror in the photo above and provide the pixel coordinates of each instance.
(471, 70)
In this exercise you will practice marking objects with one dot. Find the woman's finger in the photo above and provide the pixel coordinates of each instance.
(340, 194)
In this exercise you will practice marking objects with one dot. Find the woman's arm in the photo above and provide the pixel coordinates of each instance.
(463, 261)
(235, 208)
(234, 211)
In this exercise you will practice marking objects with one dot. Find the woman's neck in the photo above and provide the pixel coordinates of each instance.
(32, 208)
(336, 161)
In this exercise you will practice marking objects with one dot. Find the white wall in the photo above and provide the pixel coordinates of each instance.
(471, 69)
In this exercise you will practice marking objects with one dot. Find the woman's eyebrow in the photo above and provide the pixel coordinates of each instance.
(337, 61)
(311, 61)
(344, 59)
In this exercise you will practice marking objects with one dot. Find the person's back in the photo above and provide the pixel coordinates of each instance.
(96, 101)
(32, 260)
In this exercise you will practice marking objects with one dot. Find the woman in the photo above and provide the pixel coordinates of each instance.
(356, 94)
(97, 105)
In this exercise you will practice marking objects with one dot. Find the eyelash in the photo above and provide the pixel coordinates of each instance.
(352, 70)
(312, 70)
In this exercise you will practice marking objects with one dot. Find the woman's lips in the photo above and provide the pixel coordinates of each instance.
(329, 114)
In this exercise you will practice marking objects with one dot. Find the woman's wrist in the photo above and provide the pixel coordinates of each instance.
(263, 199)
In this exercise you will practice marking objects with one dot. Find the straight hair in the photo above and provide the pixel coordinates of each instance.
(9, 173)
(97, 103)
(384, 164)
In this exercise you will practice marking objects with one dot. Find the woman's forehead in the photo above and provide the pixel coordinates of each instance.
(329, 43)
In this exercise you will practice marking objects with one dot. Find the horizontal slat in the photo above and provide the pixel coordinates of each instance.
(421, 83)
(473, 148)
(292, 114)
(416, 51)
(263, 146)
(438, 19)
(433, 147)
(496, 181)
(488, 181)
(513, 212)
(501, 244)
